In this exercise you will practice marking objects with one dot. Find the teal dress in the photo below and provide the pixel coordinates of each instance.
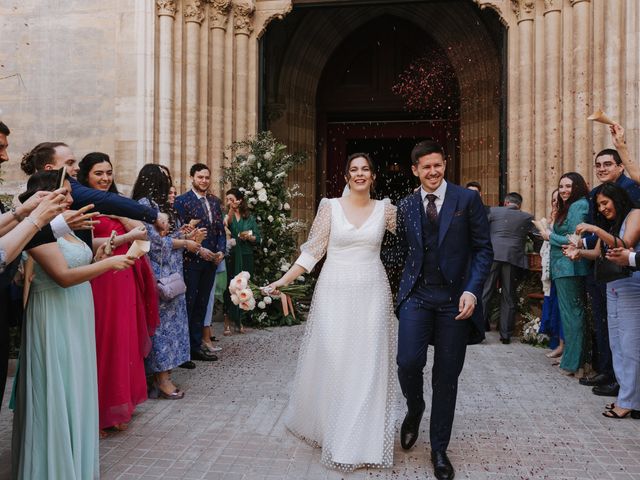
(55, 424)
(569, 279)
(241, 257)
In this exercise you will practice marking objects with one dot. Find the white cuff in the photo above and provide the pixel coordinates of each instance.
(632, 259)
(474, 297)
(306, 261)
(59, 227)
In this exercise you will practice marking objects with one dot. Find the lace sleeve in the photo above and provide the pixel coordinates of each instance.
(390, 215)
(316, 245)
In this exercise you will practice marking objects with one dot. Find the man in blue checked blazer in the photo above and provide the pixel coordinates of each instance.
(200, 267)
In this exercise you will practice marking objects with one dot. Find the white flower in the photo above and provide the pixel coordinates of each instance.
(255, 179)
(300, 278)
(270, 218)
(242, 189)
(281, 175)
(262, 305)
(287, 206)
(285, 267)
(258, 186)
(267, 300)
(268, 156)
(258, 164)
(253, 200)
(261, 191)
(262, 197)
(234, 299)
(245, 295)
(251, 158)
(265, 250)
(269, 174)
(246, 275)
(268, 202)
(270, 242)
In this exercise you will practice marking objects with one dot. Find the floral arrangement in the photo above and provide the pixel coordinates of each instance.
(248, 295)
(530, 330)
(259, 167)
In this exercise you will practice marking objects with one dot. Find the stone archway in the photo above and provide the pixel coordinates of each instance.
(313, 34)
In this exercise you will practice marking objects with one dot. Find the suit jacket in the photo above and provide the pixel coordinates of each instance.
(189, 207)
(510, 228)
(463, 242)
(562, 266)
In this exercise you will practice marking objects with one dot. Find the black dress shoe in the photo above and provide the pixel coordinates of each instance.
(204, 356)
(189, 365)
(635, 414)
(607, 390)
(599, 379)
(442, 468)
(505, 341)
(410, 428)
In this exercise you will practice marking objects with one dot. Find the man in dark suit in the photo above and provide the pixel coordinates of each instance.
(200, 267)
(609, 168)
(443, 237)
(509, 227)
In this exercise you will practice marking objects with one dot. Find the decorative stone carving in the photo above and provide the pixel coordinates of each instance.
(242, 16)
(193, 11)
(524, 9)
(552, 5)
(166, 7)
(575, 2)
(219, 13)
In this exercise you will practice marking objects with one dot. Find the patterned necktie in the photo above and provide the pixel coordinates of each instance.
(205, 205)
(432, 211)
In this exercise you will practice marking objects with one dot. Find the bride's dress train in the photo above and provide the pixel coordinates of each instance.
(345, 384)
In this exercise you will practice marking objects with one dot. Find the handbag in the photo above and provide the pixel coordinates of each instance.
(171, 286)
(605, 271)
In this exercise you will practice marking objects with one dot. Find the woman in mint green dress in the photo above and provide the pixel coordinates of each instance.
(55, 424)
(246, 235)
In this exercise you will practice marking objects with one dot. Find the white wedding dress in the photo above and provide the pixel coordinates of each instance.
(345, 384)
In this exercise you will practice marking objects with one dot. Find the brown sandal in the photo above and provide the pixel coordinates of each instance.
(613, 414)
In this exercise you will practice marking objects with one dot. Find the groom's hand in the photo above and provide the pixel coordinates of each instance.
(466, 306)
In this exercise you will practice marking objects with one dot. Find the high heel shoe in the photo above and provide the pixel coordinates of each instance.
(177, 394)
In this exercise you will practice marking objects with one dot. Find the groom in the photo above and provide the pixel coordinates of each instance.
(443, 236)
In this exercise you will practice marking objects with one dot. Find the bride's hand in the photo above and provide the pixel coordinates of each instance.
(272, 288)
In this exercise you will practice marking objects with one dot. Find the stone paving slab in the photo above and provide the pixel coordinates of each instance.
(517, 418)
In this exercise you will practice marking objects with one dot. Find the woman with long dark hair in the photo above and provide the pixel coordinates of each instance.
(123, 309)
(568, 276)
(55, 424)
(170, 343)
(246, 235)
(615, 221)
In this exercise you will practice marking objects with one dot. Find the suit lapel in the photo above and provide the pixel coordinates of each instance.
(415, 216)
(447, 211)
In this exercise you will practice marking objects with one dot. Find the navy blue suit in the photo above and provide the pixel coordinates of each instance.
(199, 274)
(441, 261)
(597, 291)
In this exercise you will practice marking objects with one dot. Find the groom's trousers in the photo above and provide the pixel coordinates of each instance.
(426, 317)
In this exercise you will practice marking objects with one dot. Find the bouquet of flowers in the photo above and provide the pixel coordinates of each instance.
(248, 295)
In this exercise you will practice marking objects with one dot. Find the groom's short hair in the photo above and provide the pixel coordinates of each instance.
(426, 147)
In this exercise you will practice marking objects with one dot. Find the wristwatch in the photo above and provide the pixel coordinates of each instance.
(16, 215)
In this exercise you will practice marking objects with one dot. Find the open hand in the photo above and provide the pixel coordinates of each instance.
(138, 233)
(466, 306)
(585, 228)
(571, 252)
(49, 206)
(619, 256)
(79, 219)
(120, 262)
(617, 136)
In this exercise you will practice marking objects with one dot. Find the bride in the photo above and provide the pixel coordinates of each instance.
(344, 388)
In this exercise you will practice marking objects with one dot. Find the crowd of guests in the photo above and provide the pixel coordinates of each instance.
(588, 253)
(104, 327)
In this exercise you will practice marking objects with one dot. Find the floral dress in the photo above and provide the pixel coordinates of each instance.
(170, 344)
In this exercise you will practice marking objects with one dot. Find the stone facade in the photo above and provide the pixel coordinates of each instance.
(174, 81)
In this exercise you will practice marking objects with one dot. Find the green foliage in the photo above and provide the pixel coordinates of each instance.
(260, 167)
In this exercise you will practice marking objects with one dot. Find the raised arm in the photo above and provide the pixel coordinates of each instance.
(52, 261)
(619, 142)
(109, 203)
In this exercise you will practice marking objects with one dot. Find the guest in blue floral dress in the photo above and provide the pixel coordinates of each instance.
(170, 344)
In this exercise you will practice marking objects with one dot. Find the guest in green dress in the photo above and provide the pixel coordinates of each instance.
(569, 277)
(55, 424)
(245, 235)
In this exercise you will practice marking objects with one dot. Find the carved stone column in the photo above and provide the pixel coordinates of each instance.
(613, 61)
(552, 160)
(166, 10)
(582, 98)
(193, 16)
(242, 12)
(218, 21)
(525, 10)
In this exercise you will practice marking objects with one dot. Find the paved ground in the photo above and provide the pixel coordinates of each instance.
(517, 418)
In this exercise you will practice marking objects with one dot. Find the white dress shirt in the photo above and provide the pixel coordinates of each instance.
(206, 204)
(439, 193)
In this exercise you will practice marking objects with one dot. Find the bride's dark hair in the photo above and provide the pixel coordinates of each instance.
(369, 160)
